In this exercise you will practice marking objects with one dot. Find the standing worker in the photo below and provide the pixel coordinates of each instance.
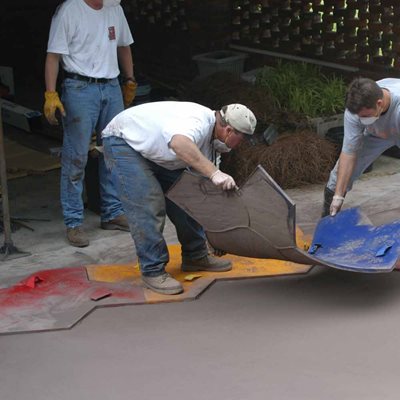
(371, 126)
(89, 38)
(147, 148)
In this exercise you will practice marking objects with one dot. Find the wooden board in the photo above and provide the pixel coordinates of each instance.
(22, 161)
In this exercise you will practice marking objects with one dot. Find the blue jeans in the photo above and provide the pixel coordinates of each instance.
(89, 108)
(141, 185)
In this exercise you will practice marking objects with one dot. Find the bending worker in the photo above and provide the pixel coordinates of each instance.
(91, 39)
(147, 147)
(371, 126)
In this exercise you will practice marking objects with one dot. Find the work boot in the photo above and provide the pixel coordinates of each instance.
(328, 197)
(77, 237)
(164, 284)
(207, 263)
(119, 223)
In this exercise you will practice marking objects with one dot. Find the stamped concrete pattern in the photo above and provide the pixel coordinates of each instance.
(58, 299)
(258, 220)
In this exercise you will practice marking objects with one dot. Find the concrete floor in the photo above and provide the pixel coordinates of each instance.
(326, 335)
(329, 335)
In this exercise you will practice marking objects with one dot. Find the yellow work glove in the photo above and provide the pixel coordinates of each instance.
(51, 104)
(129, 92)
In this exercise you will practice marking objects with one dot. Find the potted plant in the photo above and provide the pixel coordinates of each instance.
(302, 88)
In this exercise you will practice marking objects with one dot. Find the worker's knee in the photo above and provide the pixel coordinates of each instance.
(75, 168)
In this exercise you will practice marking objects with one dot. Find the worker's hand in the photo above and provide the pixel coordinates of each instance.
(336, 205)
(222, 180)
(51, 104)
(129, 92)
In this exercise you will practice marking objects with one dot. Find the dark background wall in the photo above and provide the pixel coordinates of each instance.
(24, 29)
(167, 34)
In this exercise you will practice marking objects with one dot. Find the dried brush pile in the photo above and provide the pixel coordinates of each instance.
(293, 160)
(298, 157)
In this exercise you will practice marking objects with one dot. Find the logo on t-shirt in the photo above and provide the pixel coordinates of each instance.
(111, 33)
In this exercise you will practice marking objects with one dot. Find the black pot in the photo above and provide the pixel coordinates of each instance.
(335, 136)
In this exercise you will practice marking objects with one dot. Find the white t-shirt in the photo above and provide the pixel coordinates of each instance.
(386, 127)
(149, 128)
(87, 39)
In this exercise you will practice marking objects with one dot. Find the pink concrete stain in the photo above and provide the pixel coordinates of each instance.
(43, 298)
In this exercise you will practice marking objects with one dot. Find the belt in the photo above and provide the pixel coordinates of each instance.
(89, 79)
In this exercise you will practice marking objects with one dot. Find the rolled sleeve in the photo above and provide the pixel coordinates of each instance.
(59, 36)
(125, 38)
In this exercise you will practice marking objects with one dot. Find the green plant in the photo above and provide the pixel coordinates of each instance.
(302, 88)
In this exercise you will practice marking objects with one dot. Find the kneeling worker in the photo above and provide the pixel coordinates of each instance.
(147, 148)
(371, 126)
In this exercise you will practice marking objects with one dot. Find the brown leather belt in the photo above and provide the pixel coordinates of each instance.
(89, 79)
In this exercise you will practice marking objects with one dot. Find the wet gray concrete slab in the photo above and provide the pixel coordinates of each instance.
(329, 335)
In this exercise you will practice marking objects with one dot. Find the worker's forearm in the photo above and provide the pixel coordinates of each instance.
(125, 61)
(346, 167)
(188, 152)
(51, 71)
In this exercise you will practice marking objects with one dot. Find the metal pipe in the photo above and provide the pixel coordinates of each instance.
(295, 58)
(4, 189)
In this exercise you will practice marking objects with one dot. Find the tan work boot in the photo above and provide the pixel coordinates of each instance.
(119, 223)
(164, 284)
(77, 237)
(207, 263)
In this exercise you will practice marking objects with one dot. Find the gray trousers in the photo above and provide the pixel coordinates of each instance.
(372, 148)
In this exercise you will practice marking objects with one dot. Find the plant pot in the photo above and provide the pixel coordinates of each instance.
(335, 135)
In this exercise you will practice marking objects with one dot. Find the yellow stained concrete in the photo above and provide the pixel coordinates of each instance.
(243, 268)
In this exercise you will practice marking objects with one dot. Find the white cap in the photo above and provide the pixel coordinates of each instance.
(240, 118)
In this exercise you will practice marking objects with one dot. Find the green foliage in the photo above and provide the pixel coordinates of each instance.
(302, 88)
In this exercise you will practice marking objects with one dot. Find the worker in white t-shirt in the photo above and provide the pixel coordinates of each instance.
(147, 148)
(371, 126)
(90, 39)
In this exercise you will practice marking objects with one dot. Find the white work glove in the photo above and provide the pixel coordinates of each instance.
(336, 204)
(222, 180)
